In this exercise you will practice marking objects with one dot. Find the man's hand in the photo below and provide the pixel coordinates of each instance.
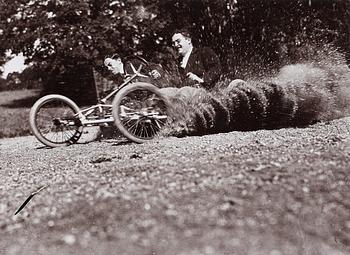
(194, 77)
(155, 74)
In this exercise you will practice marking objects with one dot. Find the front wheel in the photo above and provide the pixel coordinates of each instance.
(140, 111)
(54, 122)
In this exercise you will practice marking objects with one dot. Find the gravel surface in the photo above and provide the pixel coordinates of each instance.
(272, 192)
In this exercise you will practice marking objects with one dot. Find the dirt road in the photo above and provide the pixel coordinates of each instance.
(265, 192)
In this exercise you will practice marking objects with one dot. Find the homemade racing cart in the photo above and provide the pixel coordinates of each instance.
(136, 108)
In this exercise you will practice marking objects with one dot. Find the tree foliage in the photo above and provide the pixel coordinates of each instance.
(66, 32)
(58, 35)
(264, 33)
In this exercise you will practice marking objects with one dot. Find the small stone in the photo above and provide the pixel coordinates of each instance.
(135, 156)
(306, 189)
(147, 207)
(51, 223)
(69, 239)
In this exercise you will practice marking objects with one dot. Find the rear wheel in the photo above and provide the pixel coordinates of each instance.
(140, 111)
(54, 122)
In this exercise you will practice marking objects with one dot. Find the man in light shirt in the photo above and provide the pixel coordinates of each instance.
(198, 67)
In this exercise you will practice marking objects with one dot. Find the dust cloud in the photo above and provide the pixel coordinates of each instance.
(298, 95)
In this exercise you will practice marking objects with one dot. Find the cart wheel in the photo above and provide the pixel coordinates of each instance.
(53, 121)
(140, 111)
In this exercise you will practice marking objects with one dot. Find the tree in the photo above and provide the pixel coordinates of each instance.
(61, 37)
(258, 34)
(64, 36)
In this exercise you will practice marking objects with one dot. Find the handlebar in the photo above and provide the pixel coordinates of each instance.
(130, 57)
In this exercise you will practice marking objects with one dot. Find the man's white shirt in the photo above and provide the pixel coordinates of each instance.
(185, 59)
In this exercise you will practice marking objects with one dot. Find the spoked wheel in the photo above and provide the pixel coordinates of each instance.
(53, 121)
(140, 111)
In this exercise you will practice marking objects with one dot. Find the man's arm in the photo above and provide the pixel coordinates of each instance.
(212, 66)
(155, 70)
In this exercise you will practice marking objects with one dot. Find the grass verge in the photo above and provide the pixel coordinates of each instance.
(14, 108)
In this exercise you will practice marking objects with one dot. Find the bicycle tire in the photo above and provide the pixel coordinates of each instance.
(150, 120)
(49, 108)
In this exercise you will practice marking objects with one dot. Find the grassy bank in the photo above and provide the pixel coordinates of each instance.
(15, 107)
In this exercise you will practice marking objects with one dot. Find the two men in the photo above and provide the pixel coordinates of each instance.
(197, 67)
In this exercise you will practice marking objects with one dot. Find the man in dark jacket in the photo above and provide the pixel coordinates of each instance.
(198, 67)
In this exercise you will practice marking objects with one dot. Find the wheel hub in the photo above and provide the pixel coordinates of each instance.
(56, 122)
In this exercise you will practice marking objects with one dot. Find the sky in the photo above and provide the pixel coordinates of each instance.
(16, 64)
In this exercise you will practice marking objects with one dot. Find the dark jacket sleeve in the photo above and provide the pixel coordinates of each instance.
(212, 66)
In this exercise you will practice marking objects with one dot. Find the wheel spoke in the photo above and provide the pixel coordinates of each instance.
(141, 111)
(137, 129)
(146, 133)
(153, 129)
(141, 133)
(55, 122)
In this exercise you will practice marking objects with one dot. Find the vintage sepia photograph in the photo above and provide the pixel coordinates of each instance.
(175, 127)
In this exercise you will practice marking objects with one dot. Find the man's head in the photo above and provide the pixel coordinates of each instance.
(114, 64)
(182, 42)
